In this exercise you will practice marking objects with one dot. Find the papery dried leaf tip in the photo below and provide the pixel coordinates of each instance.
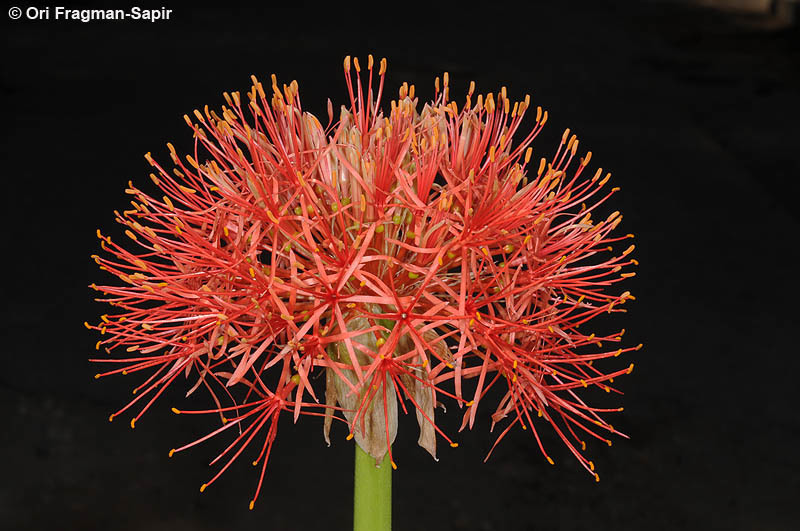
(413, 256)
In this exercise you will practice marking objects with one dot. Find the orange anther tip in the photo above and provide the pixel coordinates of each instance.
(111, 418)
(255, 463)
(97, 376)
(133, 423)
(471, 402)
(350, 436)
(550, 460)
(176, 411)
(597, 478)
(172, 452)
(454, 444)
(203, 487)
(252, 503)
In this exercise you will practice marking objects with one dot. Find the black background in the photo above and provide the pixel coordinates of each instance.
(693, 110)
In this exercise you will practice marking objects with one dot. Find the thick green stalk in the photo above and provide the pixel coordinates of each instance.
(372, 507)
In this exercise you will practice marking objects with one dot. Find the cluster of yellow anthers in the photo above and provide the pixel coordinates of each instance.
(414, 256)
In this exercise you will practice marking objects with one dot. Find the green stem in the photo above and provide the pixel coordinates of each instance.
(372, 507)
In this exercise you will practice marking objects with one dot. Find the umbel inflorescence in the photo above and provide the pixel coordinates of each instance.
(414, 256)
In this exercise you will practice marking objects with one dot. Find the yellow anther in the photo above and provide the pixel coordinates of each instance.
(252, 503)
(470, 403)
(630, 369)
(608, 389)
(514, 365)
(591, 465)
(380, 342)
(111, 418)
(596, 477)
(176, 411)
(203, 487)
(550, 460)
(394, 465)
(608, 441)
(618, 353)
(454, 445)
(172, 452)
(133, 423)
(349, 436)
(583, 383)
(583, 446)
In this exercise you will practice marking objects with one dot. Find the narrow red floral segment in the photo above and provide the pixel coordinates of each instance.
(412, 257)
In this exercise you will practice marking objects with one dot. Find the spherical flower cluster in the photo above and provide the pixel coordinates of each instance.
(413, 257)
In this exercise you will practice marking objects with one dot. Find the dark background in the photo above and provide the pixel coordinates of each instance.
(695, 111)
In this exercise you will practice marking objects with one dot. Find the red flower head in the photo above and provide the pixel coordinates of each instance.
(413, 256)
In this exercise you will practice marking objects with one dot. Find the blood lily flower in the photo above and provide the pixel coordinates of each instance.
(414, 256)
